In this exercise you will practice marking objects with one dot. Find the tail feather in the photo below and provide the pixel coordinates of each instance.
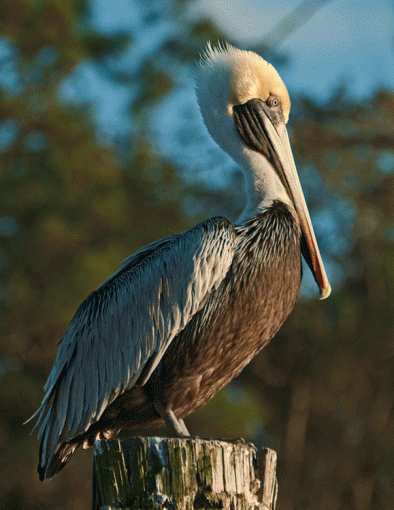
(49, 466)
(57, 461)
(58, 443)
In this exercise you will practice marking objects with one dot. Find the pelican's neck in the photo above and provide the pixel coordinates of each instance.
(263, 185)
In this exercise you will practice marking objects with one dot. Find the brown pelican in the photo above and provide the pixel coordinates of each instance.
(185, 314)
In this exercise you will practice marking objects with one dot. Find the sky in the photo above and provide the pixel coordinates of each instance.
(346, 41)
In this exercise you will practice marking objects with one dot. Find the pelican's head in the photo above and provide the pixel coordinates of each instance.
(228, 77)
(246, 106)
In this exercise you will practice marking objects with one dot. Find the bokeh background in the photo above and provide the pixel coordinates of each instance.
(102, 150)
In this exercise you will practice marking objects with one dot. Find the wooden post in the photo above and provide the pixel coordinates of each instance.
(183, 474)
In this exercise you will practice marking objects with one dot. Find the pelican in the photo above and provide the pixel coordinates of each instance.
(184, 315)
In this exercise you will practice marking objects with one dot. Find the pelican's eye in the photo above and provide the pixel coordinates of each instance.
(273, 102)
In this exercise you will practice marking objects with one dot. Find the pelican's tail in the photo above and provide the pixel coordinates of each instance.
(57, 461)
(50, 465)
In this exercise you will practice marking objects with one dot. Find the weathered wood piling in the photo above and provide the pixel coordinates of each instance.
(183, 474)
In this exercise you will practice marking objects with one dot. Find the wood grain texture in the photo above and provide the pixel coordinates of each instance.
(183, 474)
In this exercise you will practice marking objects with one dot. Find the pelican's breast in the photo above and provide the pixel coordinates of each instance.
(240, 317)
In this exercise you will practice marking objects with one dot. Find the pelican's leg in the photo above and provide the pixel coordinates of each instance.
(177, 426)
(182, 423)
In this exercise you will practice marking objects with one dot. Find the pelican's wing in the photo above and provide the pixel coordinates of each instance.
(127, 325)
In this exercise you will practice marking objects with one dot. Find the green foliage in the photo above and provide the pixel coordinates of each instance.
(156, 85)
(101, 46)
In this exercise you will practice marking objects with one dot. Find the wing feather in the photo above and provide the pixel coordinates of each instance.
(125, 327)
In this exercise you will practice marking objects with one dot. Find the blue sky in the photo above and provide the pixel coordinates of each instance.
(346, 41)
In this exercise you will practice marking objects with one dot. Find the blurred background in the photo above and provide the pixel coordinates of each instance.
(102, 150)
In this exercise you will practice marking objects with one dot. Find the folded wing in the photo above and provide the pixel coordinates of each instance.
(121, 331)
